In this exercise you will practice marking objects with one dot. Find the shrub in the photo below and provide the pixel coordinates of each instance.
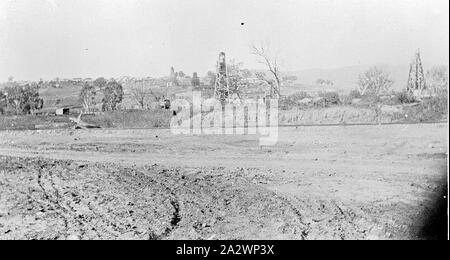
(404, 97)
(347, 99)
(293, 100)
(329, 99)
(428, 110)
(354, 94)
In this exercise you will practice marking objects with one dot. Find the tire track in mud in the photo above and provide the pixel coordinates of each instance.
(53, 203)
(174, 202)
(328, 219)
(241, 199)
(111, 219)
(299, 216)
(165, 203)
(57, 202)
(61, 204)
(66, 201)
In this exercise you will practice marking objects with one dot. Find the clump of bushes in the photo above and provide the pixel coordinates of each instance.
(348, 99)
(293, 100)
(354, 94)
(324, 99)
(404, 97)
(328, 99)
(21, 99)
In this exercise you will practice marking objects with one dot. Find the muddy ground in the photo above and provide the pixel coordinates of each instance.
(333, 182)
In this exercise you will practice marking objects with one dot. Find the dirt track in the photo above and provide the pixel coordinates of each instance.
(358, 182)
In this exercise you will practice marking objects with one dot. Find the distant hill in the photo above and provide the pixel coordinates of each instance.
(345, 78)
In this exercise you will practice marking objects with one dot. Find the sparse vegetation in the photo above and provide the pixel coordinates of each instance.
(131, 119)
(30, 122)
(351, 97)
(437, 80)
(429, 110)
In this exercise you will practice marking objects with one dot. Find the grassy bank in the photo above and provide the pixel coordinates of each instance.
(131, 119)
(115, 119)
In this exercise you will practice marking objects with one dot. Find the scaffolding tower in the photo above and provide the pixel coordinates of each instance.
(416, 79)
(221, 87)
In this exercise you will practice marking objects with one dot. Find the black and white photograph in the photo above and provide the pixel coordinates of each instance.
(224, 120)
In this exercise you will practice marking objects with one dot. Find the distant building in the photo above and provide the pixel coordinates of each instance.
(62, 111)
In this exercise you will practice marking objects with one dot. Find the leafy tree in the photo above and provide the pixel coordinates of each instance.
(237, 77)
(181, 74)
(113, 95)
(87, 97)
(374, 81)
(23, 99)
(195, 81)
(100, 82)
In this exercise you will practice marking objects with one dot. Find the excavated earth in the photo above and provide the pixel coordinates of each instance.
(359, 182)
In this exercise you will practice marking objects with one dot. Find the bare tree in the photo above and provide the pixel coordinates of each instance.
(374, 81)
(272, 65)
(140, 94)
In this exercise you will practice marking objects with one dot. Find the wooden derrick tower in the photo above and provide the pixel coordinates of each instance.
(416, 79)
(222, 87)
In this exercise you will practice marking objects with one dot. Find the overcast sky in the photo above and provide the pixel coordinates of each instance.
(90, 38)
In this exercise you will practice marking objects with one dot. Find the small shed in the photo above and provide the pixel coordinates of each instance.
(62, 111)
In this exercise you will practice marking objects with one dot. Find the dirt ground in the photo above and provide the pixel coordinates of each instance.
(324, 182)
